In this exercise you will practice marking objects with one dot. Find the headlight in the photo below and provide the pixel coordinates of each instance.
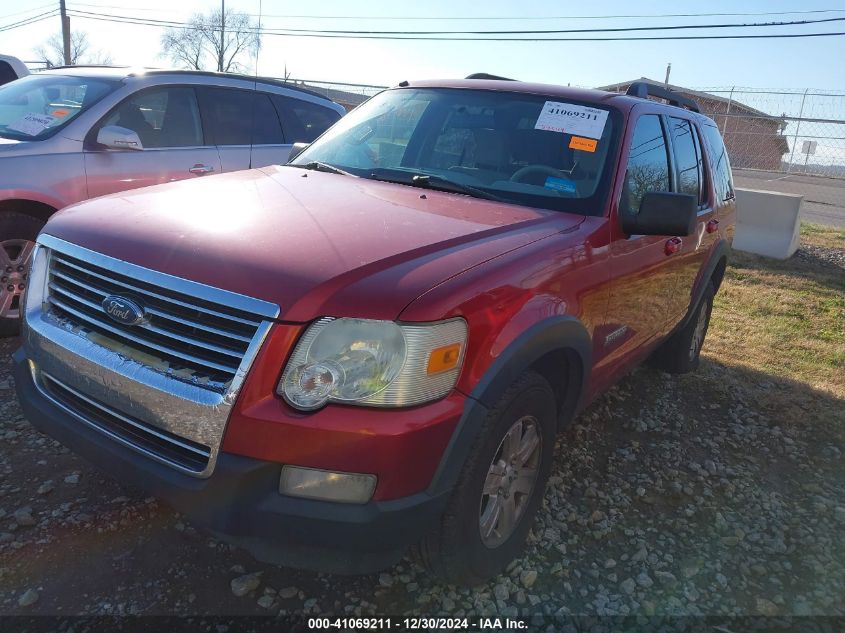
(36, 287)
(373, 363)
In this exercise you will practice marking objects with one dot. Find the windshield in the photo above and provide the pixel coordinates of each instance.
(37, 106)
(521, 148)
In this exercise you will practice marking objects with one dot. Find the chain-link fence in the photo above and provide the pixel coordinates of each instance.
(347, 95)
(792, 141)
(786, 131)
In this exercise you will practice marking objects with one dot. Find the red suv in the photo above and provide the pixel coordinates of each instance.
(375, 345)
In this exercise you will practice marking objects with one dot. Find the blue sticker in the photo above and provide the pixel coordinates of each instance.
(560, 184)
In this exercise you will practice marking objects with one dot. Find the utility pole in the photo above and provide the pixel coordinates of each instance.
(65, 31)
(222, 32)
(668, 70)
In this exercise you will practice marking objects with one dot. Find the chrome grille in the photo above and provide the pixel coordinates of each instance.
(191, 338)
(157, 443)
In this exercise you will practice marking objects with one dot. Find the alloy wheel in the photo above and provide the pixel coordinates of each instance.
(510, 481)
(15, 256)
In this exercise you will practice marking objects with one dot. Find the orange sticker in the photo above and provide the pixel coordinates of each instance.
(61, 113)
(584, 144)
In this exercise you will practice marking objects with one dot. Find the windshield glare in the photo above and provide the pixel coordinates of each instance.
(36, 106)
(522, 148)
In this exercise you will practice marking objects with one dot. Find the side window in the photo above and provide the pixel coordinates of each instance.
(303, 121)
(227, 113)
(266, 129)
(6, 73)
(648, 162)
(687, 157)
(720, 166)
(162, 117)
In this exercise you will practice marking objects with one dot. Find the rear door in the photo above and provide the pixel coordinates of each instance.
(269, 146)
(227, 115)
(303, 121)
(167, 120)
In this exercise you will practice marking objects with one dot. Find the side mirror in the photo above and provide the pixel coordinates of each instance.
(662, 213)
(117, 137)
(296, 150)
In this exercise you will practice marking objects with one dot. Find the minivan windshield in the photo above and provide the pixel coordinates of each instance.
(36, 107)
(535, 150)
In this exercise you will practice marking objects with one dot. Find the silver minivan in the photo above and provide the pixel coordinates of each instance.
(70, 134)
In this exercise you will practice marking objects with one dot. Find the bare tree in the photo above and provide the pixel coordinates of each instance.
(198, 45)
(52, 51)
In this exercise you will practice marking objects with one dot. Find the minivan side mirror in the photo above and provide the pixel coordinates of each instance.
(117, 137)
(296, 150)
(662, 213)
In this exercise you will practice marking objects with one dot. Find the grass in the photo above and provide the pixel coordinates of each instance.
(785, 318)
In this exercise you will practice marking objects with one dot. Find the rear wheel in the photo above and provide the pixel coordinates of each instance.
(682, 352)
(500, 487)
(17, 241)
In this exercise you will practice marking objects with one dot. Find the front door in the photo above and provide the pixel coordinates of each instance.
(228, 115)
(167, 121)
(643, 283)
(690, 176)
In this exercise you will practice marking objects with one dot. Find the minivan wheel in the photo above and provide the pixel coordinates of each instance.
(499, 489)
(17, 241)
(682, 352)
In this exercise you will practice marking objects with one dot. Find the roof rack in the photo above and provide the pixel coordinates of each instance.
(643, 89)
(488, 76)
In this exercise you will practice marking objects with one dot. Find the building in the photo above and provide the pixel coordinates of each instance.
(754, 139)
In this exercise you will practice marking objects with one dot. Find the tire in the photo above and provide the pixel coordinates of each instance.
(456, 550)
(17, 235)
(682, 352)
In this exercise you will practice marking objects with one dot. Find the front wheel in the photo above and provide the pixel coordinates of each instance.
(17, 241)
(500, 487)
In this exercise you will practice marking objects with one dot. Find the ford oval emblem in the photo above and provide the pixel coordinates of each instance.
(123, 310)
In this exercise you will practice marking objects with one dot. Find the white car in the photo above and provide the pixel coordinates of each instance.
(69, 134)
(11, 68)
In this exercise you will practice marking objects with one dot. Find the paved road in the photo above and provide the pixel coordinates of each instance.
(824, 198)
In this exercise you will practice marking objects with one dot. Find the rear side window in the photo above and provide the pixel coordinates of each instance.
(648, 162)
(266, 129)
(719, 163)
(227, 114)
(687, 157)
(303, 121)
(161, 117)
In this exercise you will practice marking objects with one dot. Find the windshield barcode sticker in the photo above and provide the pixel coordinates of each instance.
(32, 124)
(569, 118)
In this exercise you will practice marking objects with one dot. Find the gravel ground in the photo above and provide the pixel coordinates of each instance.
(715, 493)
(822, 255)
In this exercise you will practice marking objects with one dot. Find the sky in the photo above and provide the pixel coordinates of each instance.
(773, 64)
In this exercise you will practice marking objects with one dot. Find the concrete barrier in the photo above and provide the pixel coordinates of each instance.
(768, 222)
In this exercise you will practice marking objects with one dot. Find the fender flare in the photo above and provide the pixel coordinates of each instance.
(549, 335)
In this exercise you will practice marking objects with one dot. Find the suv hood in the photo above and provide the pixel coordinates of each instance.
(313, 243)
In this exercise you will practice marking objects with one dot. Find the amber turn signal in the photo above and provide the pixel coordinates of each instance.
(444, 358)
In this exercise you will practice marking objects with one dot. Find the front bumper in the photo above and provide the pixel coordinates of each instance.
(240, 500)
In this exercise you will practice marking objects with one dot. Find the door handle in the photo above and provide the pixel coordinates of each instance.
(712, 226)
(673, 245)
(199, 169)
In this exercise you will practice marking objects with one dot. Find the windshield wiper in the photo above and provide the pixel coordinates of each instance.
(438, 183)
(316, 165)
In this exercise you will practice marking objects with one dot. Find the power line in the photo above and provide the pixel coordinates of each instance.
(369, 35)
(674, 27)
(28, 21)
(511, 18)
(30, 10)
